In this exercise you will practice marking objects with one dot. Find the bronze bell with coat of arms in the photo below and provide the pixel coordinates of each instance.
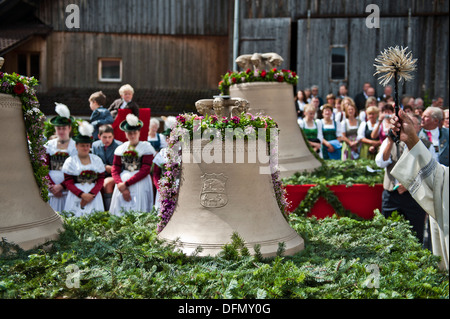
(220, 198)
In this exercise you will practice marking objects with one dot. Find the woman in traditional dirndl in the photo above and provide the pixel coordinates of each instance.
(332, 134)
(158, 140)
(352, 145)
(312, 128)
(58, 150)
(84, 174)
(369, 145)
(131, 171)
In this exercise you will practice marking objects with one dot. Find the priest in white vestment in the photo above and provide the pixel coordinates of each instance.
(427, 181)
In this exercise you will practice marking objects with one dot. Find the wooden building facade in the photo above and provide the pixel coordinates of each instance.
(174, 52)
(317, 37)
(161, 44)
(166, 50)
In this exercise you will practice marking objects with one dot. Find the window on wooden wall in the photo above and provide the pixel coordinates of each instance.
(110, 69)
(28, 64)
(338, 69)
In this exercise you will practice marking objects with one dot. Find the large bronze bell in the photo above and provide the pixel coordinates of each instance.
(217, 199)
(25, 219)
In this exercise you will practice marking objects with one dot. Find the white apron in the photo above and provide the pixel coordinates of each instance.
(57, 176)
(141, 192)
(74, 167)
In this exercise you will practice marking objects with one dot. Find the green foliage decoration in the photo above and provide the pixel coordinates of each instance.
(337, 172)
(334, 172)
(122, 257)
(321, 190)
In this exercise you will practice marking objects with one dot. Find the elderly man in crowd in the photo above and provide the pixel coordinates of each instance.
(125, 102)
(432, 119)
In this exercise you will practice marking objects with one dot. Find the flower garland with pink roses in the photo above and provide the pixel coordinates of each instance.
(23, 88)
(187, 124)
(274, 75)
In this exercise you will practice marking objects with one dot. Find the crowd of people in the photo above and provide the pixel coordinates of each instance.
(345, 128)
(94, 171)
(342, 127)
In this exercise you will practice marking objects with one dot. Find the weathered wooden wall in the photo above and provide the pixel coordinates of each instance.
(162, 43)
(149, 61)
(175, 17)
(295, 9)
(266, 35)
(364, 44)
(421, 25)
(188, 43)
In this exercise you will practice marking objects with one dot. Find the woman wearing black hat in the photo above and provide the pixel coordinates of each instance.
(58, 150)
(131, 167)
(84, 174)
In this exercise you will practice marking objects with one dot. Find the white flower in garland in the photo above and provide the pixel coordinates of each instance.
(85, 129)
(62, 110)
(394, 60)
(132, 120)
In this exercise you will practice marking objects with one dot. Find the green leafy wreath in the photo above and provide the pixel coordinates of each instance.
(322, 190)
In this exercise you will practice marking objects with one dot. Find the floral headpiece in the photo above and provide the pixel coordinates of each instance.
(63, 118)
(131, 123)
(85, 130)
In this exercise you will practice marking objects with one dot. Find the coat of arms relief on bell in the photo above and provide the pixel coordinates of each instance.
(213, 194)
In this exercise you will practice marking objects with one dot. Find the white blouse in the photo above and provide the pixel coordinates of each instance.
(317, 124)
(331, 126)
(52, 147)
(73, 166)
(143, 148)
(362, 129)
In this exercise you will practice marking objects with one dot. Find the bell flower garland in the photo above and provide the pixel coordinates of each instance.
(23, 88)
(187, 124)
(249, 75)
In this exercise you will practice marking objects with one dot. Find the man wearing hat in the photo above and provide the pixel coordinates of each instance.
(58, 150)
(131, 167)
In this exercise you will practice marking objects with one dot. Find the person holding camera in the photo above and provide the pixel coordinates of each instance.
(395, 196)
(381, 128)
